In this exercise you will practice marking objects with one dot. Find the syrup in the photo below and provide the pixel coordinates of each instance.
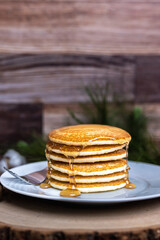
(45, 185)
(69, 192)
(129, 185)
(72, 191)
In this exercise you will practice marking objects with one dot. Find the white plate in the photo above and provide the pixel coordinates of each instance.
(146, 177)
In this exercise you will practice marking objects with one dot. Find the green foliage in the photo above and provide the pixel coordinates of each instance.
(142, 146)
(33, 150)
(100, 111)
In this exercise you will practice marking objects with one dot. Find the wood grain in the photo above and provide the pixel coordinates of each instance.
(62, 79)
(152, 112)
(56, 115)
(80, 27)
(51, 78)
(45, 220)
(58, 81)
(147, 81)
(19, 121)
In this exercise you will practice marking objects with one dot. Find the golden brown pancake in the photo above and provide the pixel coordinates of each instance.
(90, 187)
(74, 151)
(90, 169)
(87, 179)
(90, 159)
(89, 134)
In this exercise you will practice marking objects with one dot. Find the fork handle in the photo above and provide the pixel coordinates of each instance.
(16, 176)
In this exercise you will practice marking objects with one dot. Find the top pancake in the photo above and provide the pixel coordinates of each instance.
(89, 134)
(75, 151)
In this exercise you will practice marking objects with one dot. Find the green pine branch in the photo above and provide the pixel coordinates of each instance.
(100, 111)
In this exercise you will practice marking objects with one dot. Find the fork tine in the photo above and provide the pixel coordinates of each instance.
(37, 177)
(16, 176)
(34, 178)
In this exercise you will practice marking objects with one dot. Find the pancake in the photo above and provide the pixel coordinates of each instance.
(87, 179)
(87, 158)
(90, 169)
(89, 134)
(90, 159)
(92, 187)
(75, 151)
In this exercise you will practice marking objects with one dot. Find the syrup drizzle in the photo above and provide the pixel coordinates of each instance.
(72, 190)
(128, 183)
(46, 183)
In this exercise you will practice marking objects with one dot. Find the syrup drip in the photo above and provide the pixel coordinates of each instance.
(72, 190)
(49, 173)
(45, 184)
(129, 185)
(68, 192)
(73, 150)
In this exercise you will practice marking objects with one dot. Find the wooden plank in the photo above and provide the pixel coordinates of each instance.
(147, 81)
(152, 112)
(80, 27)
(56, 116)
(19, 121)
(61, 79)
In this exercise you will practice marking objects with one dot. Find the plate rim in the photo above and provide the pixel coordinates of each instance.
(78, 200)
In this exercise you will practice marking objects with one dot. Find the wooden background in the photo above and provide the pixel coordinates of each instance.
(50, 50)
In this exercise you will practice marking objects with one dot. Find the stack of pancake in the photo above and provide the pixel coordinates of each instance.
(90, 158)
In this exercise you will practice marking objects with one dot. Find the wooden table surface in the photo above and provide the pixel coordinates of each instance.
(31, 218)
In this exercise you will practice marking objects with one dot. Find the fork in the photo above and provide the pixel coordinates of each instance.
(35, 178)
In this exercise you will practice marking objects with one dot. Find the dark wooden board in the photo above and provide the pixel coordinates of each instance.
(80, 27)
(58, 82)
(19, 121)
(62, 79)
(147, 81)
(50, 78)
